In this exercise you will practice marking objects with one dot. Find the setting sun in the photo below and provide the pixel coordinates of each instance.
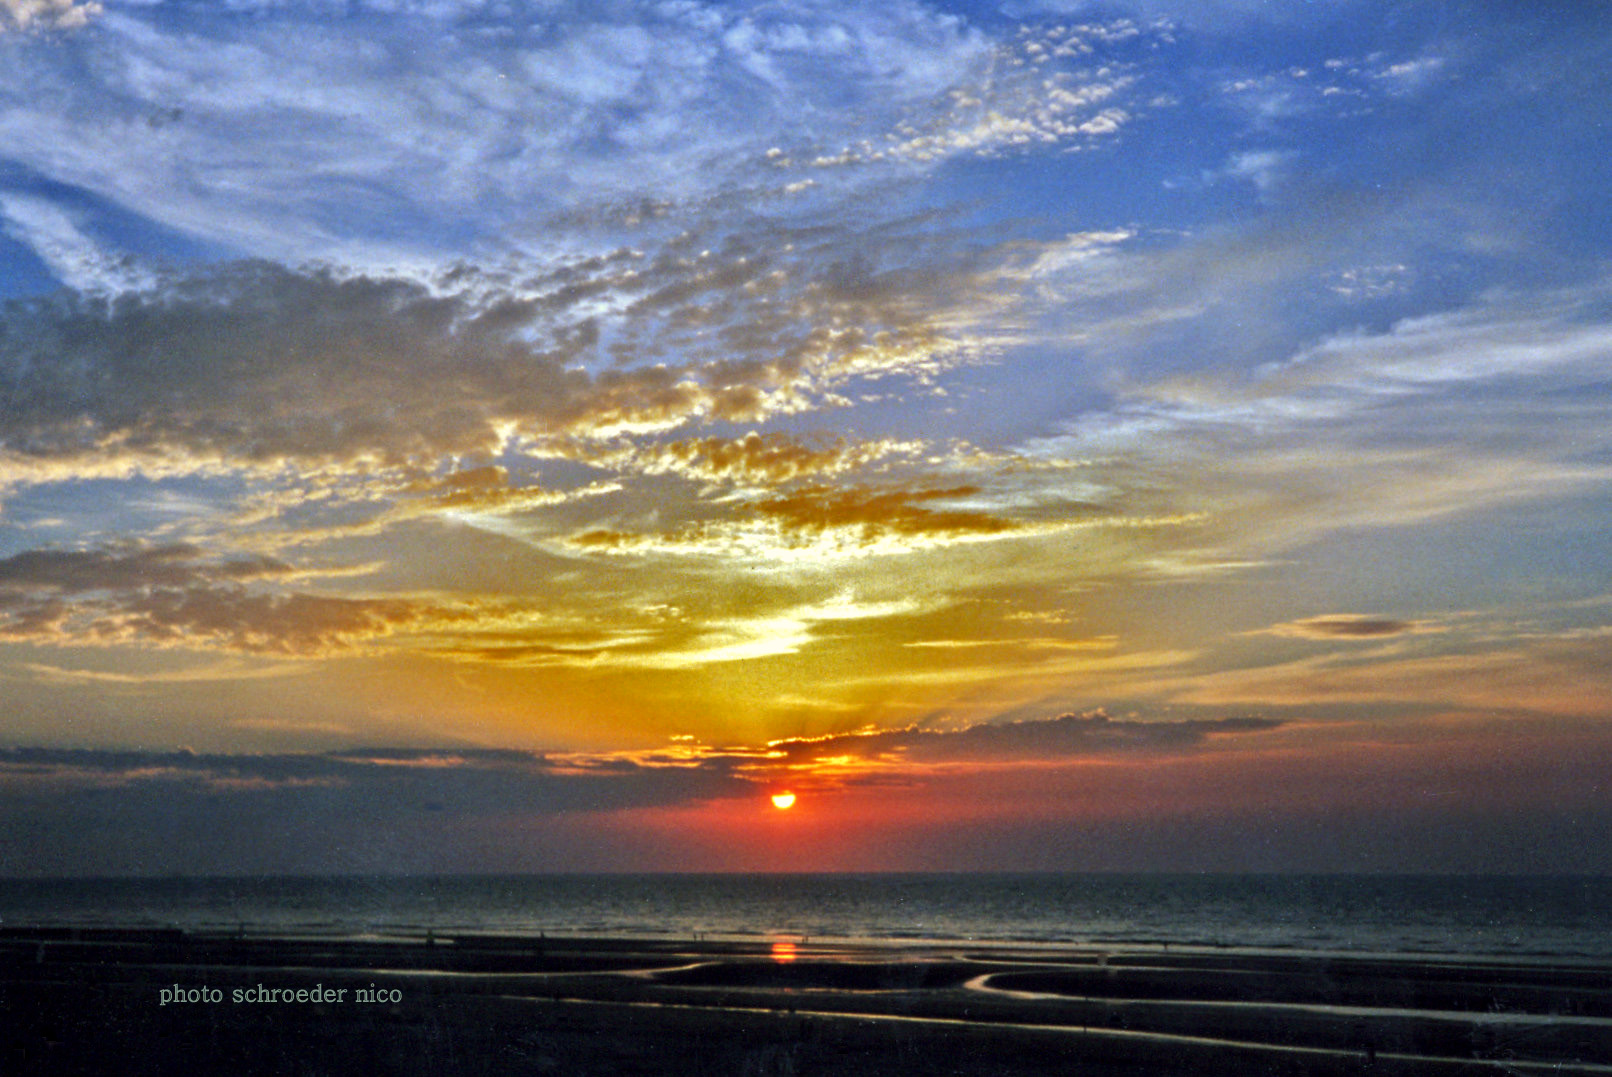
(783, 801)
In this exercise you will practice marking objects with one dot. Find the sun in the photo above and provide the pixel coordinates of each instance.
(783, 801)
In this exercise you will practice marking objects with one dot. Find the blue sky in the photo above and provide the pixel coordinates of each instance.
(644, 384)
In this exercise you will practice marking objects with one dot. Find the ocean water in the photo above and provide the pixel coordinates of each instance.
(1383, 914)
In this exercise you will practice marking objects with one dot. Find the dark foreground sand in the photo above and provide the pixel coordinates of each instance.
(92, 1002)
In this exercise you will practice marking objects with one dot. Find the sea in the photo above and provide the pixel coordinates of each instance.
(1454, 915)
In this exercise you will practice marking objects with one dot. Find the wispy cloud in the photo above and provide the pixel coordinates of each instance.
(1559, 674)
(1420, 421)
(506, 120)
(76, 259)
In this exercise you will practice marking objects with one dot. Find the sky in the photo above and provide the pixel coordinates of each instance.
(511, 435)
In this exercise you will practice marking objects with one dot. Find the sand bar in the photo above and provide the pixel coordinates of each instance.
(81, 1000)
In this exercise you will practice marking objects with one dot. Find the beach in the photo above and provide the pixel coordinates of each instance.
(158, 1001)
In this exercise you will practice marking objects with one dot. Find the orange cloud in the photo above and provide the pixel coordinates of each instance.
(764, 458)
(879, 512)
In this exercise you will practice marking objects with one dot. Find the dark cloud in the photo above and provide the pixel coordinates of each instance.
(26, 616)
(256, 363)
(1068, 735)
(482, 780)
(237, 619)
(260, 362)
(177, 594)
(228, 618)
(380, 809)
(389, 808)
(370, 781)
(1347, 626)
(127, 567)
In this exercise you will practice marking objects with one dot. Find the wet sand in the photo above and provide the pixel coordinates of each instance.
(161, 1002)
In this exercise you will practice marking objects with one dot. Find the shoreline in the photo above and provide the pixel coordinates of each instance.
(87, 1000)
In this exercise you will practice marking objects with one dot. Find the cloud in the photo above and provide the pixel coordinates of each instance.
(583, 282)
(1437, 415)
(257, 363)
(386, 384)
(1561, 674)
(879, 513)
(1011, 112)
(368, 148)
(127, 567)
(391, 810)
(228, 618)
(1210, 16)
(175, 595)
(252, 366)
(787, 631)
(75, 258)
(1409, 76)
(1102, 643)
(1049, 740)
(46, 14)
(1349, 626)
(369, 783)
(1031, 93)
(1370, 282)
(481, 780)
(487, 489)
(232, 670)
(818, 522)
(939, 502)
(1508, 335)
(763, 459)
(220, 367)
(270, 623)
(670, 638)
(1265, 169)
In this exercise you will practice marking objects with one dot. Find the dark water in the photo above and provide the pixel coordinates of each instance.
(1453, 915)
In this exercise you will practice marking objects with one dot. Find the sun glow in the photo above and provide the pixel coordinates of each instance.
(783, 801)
